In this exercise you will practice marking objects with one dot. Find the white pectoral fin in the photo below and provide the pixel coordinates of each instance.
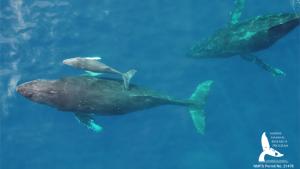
(278, 72)
(252, 58)
(88, 121)
(93, 74)
(237, 11)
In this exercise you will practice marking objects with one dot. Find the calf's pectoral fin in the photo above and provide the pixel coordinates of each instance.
(263, 65)
(88, 121)
(92, 74)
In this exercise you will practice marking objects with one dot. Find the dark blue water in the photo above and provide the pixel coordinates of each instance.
(153, 37)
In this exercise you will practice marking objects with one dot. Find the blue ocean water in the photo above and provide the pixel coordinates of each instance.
(152, 37)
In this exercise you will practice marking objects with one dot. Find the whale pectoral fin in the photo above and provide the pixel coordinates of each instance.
(237, 11)
(92, 74)
(252, 58)
(88, 121)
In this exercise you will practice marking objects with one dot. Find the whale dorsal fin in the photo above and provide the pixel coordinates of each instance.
(88, 121)
(265, 142)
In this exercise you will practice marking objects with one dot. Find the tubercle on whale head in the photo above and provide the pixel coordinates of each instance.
(72, 61)
(40, 91)
(80, 62)
(206, 49)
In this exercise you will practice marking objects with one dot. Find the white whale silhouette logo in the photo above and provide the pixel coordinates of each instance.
(267, 150)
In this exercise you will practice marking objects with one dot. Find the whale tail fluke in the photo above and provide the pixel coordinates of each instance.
(196, 109)
(127, 77)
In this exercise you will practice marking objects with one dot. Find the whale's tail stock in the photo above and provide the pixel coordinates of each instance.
(198, 100)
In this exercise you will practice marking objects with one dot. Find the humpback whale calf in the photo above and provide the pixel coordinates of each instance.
(90, 96)
(245, 38)
(92, 65)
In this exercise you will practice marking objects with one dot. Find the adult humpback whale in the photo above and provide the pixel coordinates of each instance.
(245, 38)
(89, 96)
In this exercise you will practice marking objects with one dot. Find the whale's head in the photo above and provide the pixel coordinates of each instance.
(74, 62)
(81, 62)
(40, 91)
(208, 48)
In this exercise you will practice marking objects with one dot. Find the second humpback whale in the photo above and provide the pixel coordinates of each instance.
(245, 38)
(89, 96)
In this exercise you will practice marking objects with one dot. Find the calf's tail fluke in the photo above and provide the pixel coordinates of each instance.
(127, 77)
(196, 109)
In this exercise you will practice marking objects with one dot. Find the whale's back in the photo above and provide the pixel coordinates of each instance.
(103, 96)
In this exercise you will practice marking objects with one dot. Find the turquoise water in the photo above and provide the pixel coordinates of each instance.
(152, 37)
